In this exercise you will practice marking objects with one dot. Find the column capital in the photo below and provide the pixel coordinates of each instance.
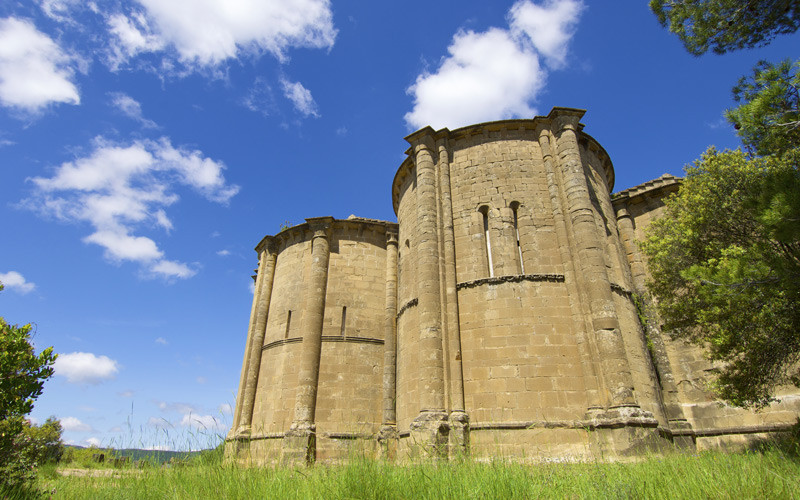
(565, 119)
(422, 140)
(267, 244)
(320, 226)
(442, 145)
(563, 123)
(391, 237)
(622, 213)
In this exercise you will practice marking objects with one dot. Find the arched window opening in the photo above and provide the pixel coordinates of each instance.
(288, 324)
(484, 210)
(344, 320)
(515, 208)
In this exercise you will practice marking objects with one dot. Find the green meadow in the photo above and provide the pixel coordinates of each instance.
(773, 472)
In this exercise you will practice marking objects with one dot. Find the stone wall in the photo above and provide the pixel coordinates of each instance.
(499, 317)
(347, 371)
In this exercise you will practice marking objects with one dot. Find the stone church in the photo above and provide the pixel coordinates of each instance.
(497, 318)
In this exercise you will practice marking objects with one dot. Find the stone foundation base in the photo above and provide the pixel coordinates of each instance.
(387, 442)
(459, 434)
(300, 444)
(624, 431)
(683, 437)
(237, 445)
(429, 435)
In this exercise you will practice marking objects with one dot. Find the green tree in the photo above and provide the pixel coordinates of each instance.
(22, 375)
(725, 269)
(724, 25)
(45, 441)
(725, 257)
(768, 118)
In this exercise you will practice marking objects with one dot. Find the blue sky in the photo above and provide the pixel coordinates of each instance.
(147, 146)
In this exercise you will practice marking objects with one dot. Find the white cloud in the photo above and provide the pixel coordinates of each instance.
(34, 70)
(158, 447)
(159, 422)
(13, 280)
(300, 97)
(131, 35)
(176, 407)
(224, 253)
(226, 409)
(119, 188)
(549, 27)
(122, 246)
(92, 441)
(75, 425)
(162, 341)
(495, 74)
(58, 9)
(206, 33)
(260, 98)
(162, 220)
(131, 108)
(204, 422)
(125, 394)
(85, 367)
(171, 269)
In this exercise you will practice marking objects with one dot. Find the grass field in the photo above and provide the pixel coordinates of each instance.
(767, 474)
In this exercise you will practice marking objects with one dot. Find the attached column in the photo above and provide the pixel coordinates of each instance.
(608, 338)
(626, 233)
(458, 418)
(429, 429)
(300, 441)
(239, 435)
(572, 272)
(237, 414)
(388, 436)
(267, 274)
(682, 429)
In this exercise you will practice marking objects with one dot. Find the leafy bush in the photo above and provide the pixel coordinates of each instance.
(22, 375)
(88, 457)
(45, 441)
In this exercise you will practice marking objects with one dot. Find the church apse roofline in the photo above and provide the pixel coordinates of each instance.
(299, 230)
(428, 137)
(659, 187)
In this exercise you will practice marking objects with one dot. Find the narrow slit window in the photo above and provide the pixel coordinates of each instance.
(344, 320)
(288, 324)
(485, 212)
(515, 208)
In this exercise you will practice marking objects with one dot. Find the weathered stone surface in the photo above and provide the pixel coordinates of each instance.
(500, 317)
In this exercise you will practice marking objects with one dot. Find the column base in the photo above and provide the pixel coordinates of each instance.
(624, 431)
(683, 435)
(388, 438)
(237, 444)
(429, 435)
(300, 444)
(459, 434)
(236, 450)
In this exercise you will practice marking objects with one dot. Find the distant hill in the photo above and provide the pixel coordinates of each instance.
(160, 456)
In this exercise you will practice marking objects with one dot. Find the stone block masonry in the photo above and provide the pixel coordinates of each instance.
(497, 317)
